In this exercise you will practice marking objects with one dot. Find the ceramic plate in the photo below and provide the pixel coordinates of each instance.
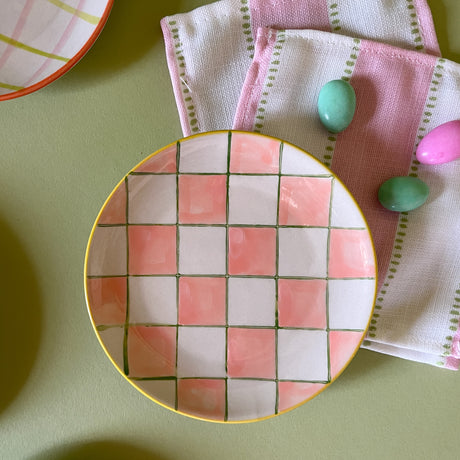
(40, 40)
(230, 276)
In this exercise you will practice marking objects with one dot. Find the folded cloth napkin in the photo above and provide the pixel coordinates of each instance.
(210, 49)
(401, 96)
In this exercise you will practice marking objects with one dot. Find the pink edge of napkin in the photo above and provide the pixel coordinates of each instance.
(426, 26)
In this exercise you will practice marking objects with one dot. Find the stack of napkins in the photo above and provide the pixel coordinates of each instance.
(258, 65)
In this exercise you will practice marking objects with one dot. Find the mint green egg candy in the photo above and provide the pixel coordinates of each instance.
(403, 193)
(336, 105)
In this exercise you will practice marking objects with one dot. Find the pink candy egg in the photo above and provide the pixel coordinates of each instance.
(440, 145)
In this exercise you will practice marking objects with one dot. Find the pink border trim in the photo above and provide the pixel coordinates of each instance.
(255, 78)
(66, 67)
(427, 30)
(175, 79)
(453, 361)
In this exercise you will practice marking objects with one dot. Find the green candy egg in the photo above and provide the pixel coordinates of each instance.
(403, 193)
(336, 105)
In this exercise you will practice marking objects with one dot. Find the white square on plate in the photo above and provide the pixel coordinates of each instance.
(302, 355)
(253, 200)
(251, 302)
(206, 154)
(350, 303)
(201, 352)
(303, 252)
(153, 300)
(250, 399)
(202, 250)
(344, 212)
(163, 391)
(113, 338)
(295, 161)
(152, 199)
(107, 254)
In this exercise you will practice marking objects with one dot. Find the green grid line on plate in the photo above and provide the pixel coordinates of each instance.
(227, 247)
(126, 327)
(255, 379)
(176, 397)
(280, 162)
(31, 49)
(11, 87)
(90, 18)
(327, 283)
(212, 275)
(103, 327)
(147, 224)
(148, 173)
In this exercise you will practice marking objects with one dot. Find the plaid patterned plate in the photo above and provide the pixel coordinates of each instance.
(230, 276)
(40, 40)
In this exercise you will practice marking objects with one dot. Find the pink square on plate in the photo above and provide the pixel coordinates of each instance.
(114, 211)
(254, 154)
(305, 201)
(351, 254)
(107, 300)
(293, 393)
(202, 301)
(202, 397)
(302, 303)
(202, 199)
(152, 250)
(161, 162)
(251, 353)
(342, 346)
(252, 251)
(152, 351)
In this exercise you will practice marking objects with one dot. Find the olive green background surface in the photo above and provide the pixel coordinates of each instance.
(62, 151)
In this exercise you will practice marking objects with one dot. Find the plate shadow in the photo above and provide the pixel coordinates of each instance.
(20, 316)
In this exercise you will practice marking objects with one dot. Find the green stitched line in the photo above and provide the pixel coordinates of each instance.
(404, 220)
(186, 93)
(269, 81)
(246, 26)
(347, 73)
(334, 18)
(455, 313)
(126, 326)
(415, 27)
